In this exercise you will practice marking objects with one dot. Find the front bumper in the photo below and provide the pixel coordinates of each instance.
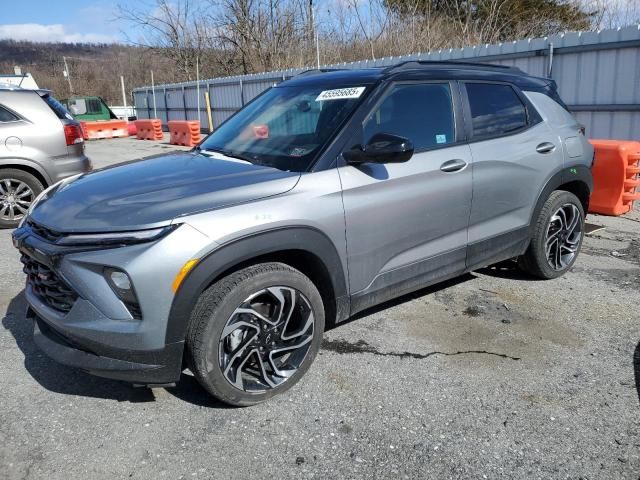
(142, 367)
(97, 333)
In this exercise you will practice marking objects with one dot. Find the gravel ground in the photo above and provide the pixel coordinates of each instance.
(493, 375)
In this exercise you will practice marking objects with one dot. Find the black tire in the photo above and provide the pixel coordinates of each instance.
(535, 260)
(215, 308)
(13, 176)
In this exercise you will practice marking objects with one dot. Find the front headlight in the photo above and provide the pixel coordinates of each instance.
(115, 238)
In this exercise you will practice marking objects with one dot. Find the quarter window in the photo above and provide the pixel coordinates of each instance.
(7, 116)
(495, 109)
(423, 113)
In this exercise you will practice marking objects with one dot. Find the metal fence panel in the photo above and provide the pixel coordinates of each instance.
(598, 76)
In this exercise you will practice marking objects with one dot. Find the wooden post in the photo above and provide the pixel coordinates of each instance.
(208, 102)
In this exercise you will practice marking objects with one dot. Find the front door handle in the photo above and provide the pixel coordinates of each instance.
(451, 166)
(545, 147)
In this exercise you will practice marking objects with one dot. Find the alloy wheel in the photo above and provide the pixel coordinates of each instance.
(15, 198)
(266, 339)
(563, 236)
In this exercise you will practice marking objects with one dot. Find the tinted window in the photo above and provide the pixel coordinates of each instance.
(57, 107)
(7, 116)
(93, 106)
(422, 113)
(495, 109)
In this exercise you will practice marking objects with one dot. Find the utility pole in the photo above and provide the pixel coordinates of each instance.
(198, 84)
(313, 33)
(124, 95)
(67, 74)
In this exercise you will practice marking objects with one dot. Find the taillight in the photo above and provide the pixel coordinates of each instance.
(73, 134)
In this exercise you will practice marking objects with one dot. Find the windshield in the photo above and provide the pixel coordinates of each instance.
(286, 127)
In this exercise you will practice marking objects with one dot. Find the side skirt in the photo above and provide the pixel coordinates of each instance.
(409, 278)
(498, 248)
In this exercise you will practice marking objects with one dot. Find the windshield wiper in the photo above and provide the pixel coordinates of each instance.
(227, 153)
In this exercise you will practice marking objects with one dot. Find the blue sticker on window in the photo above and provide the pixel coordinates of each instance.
(441, 139)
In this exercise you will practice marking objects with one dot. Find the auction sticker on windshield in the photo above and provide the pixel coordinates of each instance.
(350, 92)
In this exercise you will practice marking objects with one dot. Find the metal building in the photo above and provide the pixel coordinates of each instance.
(598, 75)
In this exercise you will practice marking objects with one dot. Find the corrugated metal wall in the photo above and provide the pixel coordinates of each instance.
(598, 74)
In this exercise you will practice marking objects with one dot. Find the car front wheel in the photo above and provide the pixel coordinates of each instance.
(254, 333)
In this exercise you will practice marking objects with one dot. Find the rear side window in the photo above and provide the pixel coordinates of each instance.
(7, 116)
(423, 113)
(57, 107)
(495, 109)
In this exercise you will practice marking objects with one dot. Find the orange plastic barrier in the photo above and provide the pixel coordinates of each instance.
(149, 129)
(104, 129)
(184, 132)
(615, 176)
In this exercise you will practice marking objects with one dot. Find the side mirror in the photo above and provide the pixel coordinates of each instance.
(382, 148)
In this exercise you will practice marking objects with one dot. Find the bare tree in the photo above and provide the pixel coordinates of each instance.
(175, 28)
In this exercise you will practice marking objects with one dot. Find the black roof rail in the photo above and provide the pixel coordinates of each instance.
(316, 71)
(414, 64)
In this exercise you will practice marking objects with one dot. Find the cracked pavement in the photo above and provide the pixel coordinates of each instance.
(344, 347)
(491, 375)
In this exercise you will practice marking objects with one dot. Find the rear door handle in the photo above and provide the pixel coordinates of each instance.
(545, 147)
(451, 166)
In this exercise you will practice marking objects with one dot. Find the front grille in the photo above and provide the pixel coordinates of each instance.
(47, 286)
(44, 232)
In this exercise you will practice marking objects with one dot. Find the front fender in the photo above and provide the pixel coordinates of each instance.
(226, 256)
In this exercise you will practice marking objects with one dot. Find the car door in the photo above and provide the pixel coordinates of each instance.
(406, 223)
(514, 155)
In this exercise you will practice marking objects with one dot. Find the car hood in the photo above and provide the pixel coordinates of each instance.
(154, 191)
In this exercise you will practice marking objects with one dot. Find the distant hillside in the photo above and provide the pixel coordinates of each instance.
(28, 53)
(95, 68)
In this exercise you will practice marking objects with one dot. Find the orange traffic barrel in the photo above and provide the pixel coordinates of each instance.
(615, 176)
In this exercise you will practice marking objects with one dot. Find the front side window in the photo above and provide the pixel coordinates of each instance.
(77, 106)
(287, 126)
(423, 113)
(496, 109)
(7, 116)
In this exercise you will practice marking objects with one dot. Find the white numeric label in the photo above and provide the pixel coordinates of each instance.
(350, 92)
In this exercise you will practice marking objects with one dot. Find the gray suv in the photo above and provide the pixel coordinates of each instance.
(40, 144)
(327, 194)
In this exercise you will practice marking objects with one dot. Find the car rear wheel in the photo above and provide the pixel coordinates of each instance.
(557, 237)
(18, 189)
(255, 333)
